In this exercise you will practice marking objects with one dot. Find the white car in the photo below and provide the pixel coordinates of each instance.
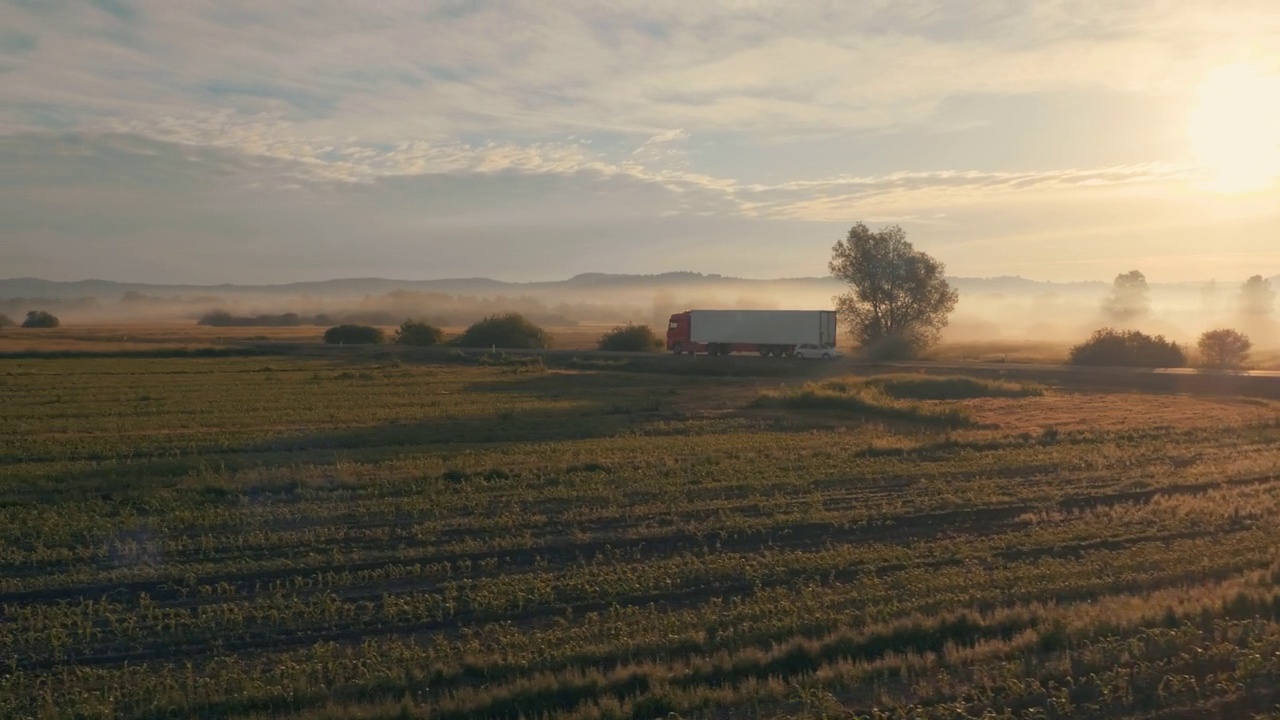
(811, 352)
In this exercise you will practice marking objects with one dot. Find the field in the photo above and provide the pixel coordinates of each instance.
(253, 537)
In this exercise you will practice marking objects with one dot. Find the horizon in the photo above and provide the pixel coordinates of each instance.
(157, 143)
(565, 279)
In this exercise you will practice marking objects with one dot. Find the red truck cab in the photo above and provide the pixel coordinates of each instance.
(678, 337)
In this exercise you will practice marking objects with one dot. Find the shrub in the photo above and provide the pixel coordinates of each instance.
(891, 347)
(6, 321)
(631, 338)
(420, 334)
(222, 318)
(1224, 348)
(353, 335)
(40, 319)
(1128, 348)
(509, 330)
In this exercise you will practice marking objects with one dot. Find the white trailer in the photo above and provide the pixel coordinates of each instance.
(767, 332)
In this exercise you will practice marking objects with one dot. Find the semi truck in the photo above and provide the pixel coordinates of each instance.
(774, 333)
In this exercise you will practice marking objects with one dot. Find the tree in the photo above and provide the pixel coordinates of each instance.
(630, 338)
(1257, 299)
(507, 330)
(1224, 348)
(899, 298)
(6, 321)
(40, 319)
(1127, 348)
(353, 335)
(1130, 298)
(420, 334)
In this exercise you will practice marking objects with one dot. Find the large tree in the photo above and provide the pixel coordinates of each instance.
(1257, 299)
(1130, 298)
(899, 298)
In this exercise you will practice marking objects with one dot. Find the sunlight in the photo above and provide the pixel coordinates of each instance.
(1235, 128)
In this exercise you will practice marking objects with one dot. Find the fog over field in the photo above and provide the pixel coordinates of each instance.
(1006, 309)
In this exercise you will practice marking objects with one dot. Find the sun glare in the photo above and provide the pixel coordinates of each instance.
(1235, 128)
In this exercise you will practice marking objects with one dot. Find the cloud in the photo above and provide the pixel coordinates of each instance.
(406, 69)
(261, 125)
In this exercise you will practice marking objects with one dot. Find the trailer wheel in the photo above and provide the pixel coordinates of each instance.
(765, 351)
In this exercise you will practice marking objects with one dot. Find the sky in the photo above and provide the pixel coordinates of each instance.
(209, 141)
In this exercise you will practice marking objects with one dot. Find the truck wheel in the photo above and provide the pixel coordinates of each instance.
(826, 356)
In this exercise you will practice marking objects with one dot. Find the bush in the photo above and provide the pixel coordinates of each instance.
(508, 331)
(631, 338)
(1128, 348)
(353, 335)
(40, 319)
(6, 321)
(419, 334)
(891, 347)
(1224, 348)
(222, 318)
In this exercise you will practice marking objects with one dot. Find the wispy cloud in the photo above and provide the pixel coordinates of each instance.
(674, 109)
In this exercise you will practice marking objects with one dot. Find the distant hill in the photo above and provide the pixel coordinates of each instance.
(348, 287)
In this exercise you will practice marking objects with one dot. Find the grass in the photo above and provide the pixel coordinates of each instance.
(897, 397)
(860, 400)
(321, 537)
(949, 387)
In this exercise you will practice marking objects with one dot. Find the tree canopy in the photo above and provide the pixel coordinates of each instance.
(899, 299)
(40, 319)
(1257, 299)
(1130, 298)
(1127, 348)
(353, 335)
(1224, 348)
(506, 330)
(418, 333)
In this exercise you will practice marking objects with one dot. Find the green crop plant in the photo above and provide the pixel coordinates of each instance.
(458, 540)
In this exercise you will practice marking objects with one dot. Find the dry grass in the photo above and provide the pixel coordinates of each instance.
(1116, 411)
(1052, 353)
(1049, 353)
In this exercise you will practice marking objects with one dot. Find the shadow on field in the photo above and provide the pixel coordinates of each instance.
(116, 478)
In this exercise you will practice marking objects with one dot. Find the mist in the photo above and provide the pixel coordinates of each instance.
(992, 310)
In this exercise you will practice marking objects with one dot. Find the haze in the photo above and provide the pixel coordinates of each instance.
(213, 142)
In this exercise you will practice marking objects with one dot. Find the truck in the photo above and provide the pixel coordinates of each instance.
(774, 333)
